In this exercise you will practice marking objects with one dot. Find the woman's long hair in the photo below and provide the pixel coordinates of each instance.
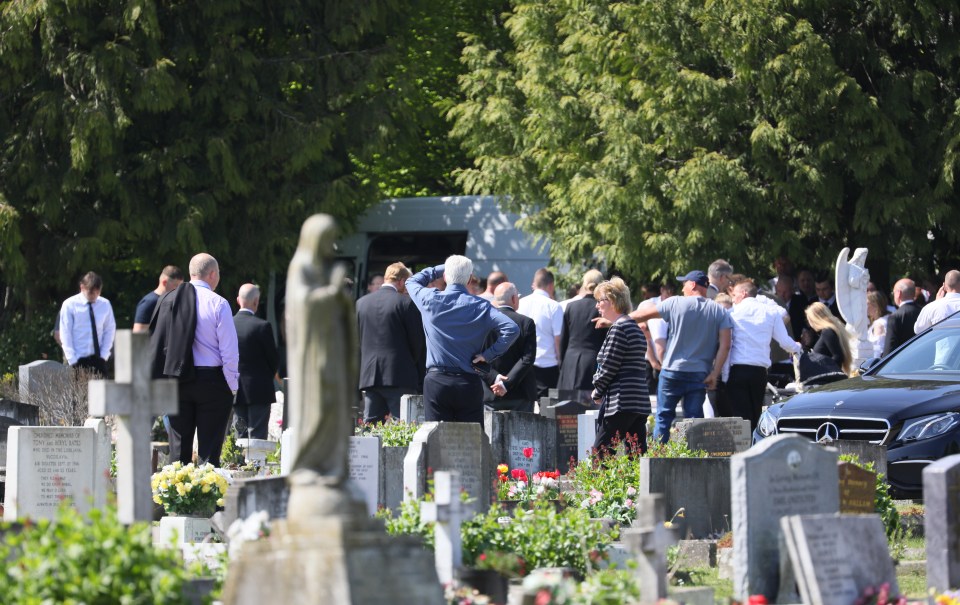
(820, 318)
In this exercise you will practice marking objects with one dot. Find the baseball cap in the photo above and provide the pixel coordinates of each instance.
(699, 277)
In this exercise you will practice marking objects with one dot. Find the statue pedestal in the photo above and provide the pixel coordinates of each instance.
(333, 560)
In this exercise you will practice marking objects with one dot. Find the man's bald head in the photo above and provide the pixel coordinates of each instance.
(249, 297)
(506, 294)
(951, 281)
(905, 289)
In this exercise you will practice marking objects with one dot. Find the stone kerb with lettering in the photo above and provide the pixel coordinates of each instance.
(858, 489)
(450, 446)
(47, 464)
(941, 497)
(835, 557)
(719, 437)
(780, 476)
(513, 433)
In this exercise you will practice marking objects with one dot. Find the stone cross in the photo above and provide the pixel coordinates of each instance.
(649, 539)
(135, 399)
(448, 513)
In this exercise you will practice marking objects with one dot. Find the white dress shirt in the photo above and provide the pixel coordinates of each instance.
(755, 323)
(548, 317)
(75, 333)
(936, 311)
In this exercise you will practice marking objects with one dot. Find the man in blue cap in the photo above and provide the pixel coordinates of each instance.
(698, 342)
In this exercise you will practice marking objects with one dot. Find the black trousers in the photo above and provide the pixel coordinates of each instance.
(255, 417)
(547, 378)
(92, 362)
(205, 406)
(380, 401)
(452, 397)
(745, 390)
(618, 426)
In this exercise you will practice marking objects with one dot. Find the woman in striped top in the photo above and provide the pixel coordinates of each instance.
(619, 384)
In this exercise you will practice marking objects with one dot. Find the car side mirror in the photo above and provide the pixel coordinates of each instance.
(869, 363)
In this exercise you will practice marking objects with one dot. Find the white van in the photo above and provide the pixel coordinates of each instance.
(424, 231)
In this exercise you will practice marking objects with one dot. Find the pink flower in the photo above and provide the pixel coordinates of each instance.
(629, 502)
(631, 491)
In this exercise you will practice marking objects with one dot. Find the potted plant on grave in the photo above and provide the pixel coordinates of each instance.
(189, 490)
(491, 574)
(515, 488)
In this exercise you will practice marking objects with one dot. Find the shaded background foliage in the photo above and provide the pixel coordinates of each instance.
(648, 136)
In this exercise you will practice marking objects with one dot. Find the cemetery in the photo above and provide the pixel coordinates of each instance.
(519, 509)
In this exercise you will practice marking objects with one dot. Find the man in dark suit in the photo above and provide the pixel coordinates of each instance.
(258, 363)
(391, 346)
(900, 323)
(510, 384)
(795, 303)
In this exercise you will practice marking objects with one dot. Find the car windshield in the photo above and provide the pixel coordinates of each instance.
(936, 352)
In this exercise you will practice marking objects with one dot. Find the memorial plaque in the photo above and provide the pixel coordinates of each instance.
(835, 557)
(780, 476)
(364, 464)
(719, 437)
(858, 489)
(45, 465)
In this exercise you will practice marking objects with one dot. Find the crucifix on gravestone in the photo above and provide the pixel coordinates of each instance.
(135, 399)
(649, 539)
(447, 513)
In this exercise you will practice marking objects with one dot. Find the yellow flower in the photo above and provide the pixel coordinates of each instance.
(219, 501)
(157, 500)
(503, 469)
(180, 489)
(205, 489)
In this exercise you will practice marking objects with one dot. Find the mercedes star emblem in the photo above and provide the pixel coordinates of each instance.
(827, 433)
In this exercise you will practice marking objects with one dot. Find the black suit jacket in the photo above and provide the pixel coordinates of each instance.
(391, 340)
(900, 326)
(580, 341)
(798, 319)
(173, 328)
(516, 363)
(258, 360)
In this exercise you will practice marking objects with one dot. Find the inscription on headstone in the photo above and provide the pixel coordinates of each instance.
(522, 440)
(450, 446)
(780, 476)
(364, 463)
(858, 488)
(46, 465)
(719, 437)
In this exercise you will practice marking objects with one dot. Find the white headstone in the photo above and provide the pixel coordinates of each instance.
(135, 399)
(780, 476)
(447, 513)
(364, 460)
(47, 464)
(941, 497)
(102, 457)
(586, 433)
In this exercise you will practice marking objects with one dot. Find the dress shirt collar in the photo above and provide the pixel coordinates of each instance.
(541, 293)
(391, 286)
(201, 283)
(246, 311)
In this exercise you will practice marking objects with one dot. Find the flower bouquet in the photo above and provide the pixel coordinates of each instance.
(189, 490)
(516, 485)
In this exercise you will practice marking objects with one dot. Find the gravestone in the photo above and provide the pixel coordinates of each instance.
(858, 489)
(411, 409)
(780, 476)
(25, 414)
(941, 497)
(391, 476)
(701, 486)
(586, 433)
(46, 464)
(566, 413)
(835, 557)
(135, 399)
(511, 433)
(286, 452)
(450, 446)
(5, 424)
(649, 540)
(447, 513)
(865, 451)
(42, 378)
(247, 496)
(364, 465)
(719, 437)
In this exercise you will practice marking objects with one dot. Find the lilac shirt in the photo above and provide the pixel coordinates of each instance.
(216, 342)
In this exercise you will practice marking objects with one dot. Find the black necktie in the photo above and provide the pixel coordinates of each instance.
(93, 327)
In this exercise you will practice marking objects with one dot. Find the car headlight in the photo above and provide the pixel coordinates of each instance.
(928, 426)
(767, 425)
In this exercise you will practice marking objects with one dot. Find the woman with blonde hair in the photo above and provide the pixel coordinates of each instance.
(620, 384)
(833, 341)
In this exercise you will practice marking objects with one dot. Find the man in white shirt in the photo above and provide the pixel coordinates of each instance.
(755, 323)
(87, 326)
(946, 304)
(547, 314)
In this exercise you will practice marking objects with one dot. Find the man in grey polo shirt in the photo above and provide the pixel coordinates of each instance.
(698, 342)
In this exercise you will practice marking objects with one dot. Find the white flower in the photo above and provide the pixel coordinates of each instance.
(245, 530)
(631, 491)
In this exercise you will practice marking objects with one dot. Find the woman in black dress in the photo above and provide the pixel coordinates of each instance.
(833, 341)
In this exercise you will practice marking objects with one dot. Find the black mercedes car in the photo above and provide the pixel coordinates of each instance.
(909, 401)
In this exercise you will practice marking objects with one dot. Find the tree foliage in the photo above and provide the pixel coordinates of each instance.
(136, 133)
(655, 136)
